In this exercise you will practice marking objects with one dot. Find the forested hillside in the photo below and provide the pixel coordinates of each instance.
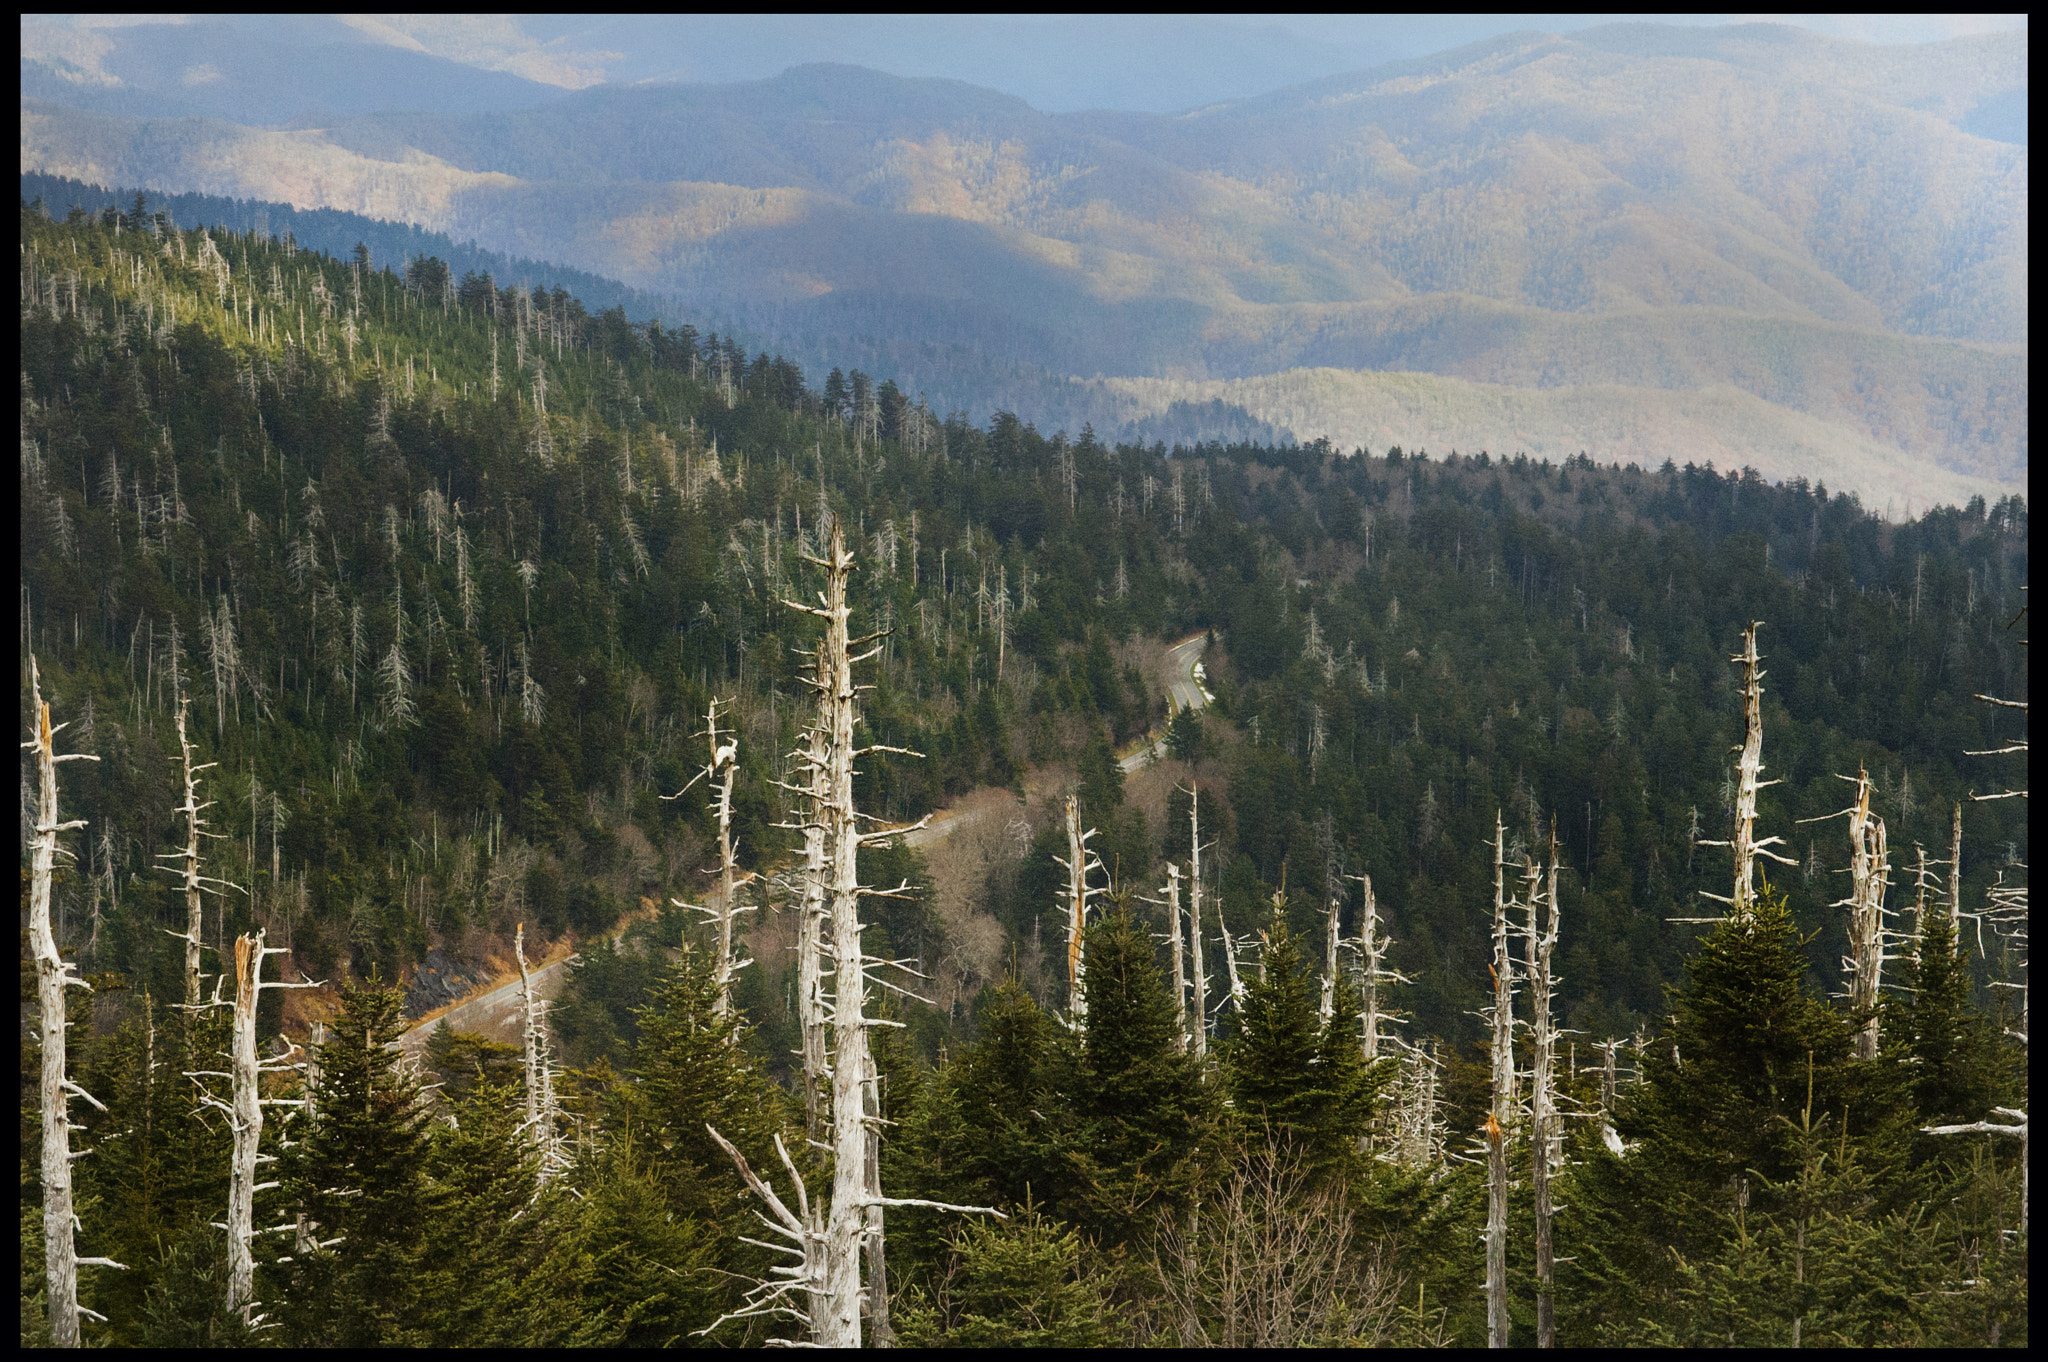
(446, 575)
(1805, 230)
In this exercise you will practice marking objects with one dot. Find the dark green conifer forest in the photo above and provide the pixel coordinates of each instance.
(444, 577)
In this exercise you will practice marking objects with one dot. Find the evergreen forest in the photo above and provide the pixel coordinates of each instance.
(391, 607)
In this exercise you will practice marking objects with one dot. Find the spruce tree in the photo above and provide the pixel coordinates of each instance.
(1954, 1066)
(360, 1175)
(1141, 1109)
(1295, 1078)
(989, 1129)
(1711, 1116)
(506, 1266)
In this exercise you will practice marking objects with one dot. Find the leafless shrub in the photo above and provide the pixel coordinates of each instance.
(1271, 1263)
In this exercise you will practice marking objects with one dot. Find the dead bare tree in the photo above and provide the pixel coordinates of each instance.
(1869, 876)
(1543, 1134)
(1749, 780)
(829, 1264)
(1180, 982)
(542, 1122)
(193, 881)
(1501, 1113)
(53, 975)
(1419, 1128)
(719, 771)
(1201, 974)
(1079, 860)
(2007, 912)
(244, 1110)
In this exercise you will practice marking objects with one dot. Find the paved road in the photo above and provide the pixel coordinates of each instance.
(497, 1014)
(1185, 691)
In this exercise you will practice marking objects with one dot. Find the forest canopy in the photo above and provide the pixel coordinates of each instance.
(444, 575)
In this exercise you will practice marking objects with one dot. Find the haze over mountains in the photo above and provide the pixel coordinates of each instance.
(1751, 244)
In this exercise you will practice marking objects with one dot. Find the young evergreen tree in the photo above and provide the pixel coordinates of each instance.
(988, 1129)
(1719, 1084)
(1293, 1077)
(360, 1175)
(1142, 1110)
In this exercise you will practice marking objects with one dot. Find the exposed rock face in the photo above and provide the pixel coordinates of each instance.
(441, 979)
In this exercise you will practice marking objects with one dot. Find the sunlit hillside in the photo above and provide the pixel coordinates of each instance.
(1807, 221)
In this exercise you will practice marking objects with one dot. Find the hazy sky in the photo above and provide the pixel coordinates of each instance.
(1055, 62)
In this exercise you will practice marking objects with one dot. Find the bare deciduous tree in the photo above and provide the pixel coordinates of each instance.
(1273, 1262)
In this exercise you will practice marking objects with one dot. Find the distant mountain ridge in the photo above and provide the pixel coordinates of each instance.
(1669, 211)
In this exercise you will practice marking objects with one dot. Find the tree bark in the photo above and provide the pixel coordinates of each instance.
(53, 976)
(1501, 1114)
(1180, 980)
(839, 1326)
(248, 1124)
(191, 809)
(1201, 979)
(1543, 1133)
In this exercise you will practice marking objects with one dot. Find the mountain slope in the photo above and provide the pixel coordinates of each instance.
(1669, 210)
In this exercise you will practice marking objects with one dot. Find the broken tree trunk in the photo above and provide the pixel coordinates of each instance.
(53, 976)
(1079, 861)
(245, 1114)
(1868, 871)
(1749, 769)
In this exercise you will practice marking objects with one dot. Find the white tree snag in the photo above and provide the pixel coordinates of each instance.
(1180, 976)
(1201, 973)
(1501, 1114)
(1955, 875)
(840, 1325)
(811, 909)
(1328, 1005)
(542, 1124)
(53, 975)
(1373, 945)
(1749, 769)
(800, 1294)
(1868, 871)
(191, 810)
(246, 1118)
(1418, 1131)
(719, 772)
(1543, 1132)
(1496, 1234)
(1078, 861)
(724, 764)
